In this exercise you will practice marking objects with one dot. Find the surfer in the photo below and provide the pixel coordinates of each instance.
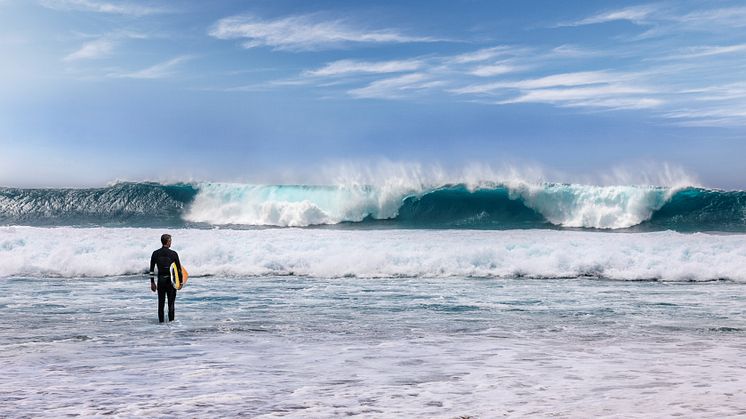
(164, 257)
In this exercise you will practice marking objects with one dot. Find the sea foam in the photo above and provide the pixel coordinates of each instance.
(93, 252)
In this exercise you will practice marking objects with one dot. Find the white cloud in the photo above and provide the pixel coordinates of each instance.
(593, 89)
(572, 51)
(608, 96)
(699, 113)
(730, 16)
(158, 71)
(345, 67)
(493, 70)
(618, 103)
(303, 33)
(120, 8)
(727, 116)
(635, 14)
(707, 51)
(90, 50)
(483, 54)
(394, 87)
(555, 80)
(569, 79)
(726, 92)
(102, 46)
(668, 20)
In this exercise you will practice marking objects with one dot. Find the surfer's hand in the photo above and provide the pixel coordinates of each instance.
(153, 287)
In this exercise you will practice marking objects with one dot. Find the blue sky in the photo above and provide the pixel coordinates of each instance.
(260, 90)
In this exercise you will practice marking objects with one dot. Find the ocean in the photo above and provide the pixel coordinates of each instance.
(485, 300)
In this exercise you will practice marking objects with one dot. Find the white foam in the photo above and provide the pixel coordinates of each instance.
(668, 256)
(607, 207)
(293, 206)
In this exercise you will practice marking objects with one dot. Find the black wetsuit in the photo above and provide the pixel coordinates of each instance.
(163, 258)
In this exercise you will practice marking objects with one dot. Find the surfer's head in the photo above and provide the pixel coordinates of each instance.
(166, 240)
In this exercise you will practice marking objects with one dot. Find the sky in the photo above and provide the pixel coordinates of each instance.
(93, 91)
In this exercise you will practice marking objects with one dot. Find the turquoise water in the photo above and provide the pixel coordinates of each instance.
(380, 347)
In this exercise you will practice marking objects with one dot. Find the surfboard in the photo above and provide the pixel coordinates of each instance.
(178, 281)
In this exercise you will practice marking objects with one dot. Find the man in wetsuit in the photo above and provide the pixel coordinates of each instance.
(164, 257)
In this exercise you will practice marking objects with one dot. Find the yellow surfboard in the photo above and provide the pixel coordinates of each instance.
(178, 281)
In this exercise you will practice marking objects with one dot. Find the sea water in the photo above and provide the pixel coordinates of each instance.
(410, 323)
(425, 347)
(499, 300)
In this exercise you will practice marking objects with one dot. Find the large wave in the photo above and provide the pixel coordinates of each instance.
(485, 205)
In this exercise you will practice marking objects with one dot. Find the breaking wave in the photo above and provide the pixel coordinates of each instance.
(483, 206)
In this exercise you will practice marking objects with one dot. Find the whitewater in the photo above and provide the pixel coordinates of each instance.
(68, 252)
(393, 299)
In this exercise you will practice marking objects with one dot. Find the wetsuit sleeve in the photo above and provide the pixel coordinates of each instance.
(152, 266)
(178, 264)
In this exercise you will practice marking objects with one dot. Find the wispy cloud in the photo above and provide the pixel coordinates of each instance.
(494, 69)
(666, 19)
(97, 6)
(708, 117)
(706, 51)
(497, 69)
(728, 16)
(596, 89)
(608, 96)
(90, 50)
(159, 71)
(720, 105)
(572, 51)
(483, 54)
(102, 46)
(725, 92)
(345, 67)
(569, 79)
(635, 14)
(395, 87)
(303, 33)
(555, 80)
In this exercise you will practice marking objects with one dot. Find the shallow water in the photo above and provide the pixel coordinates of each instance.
(407, 347)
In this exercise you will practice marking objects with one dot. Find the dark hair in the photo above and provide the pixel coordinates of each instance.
(165, 239)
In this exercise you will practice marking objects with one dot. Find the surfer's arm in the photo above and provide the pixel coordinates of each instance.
(152, 267)
(153, 287)
(178, 263)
